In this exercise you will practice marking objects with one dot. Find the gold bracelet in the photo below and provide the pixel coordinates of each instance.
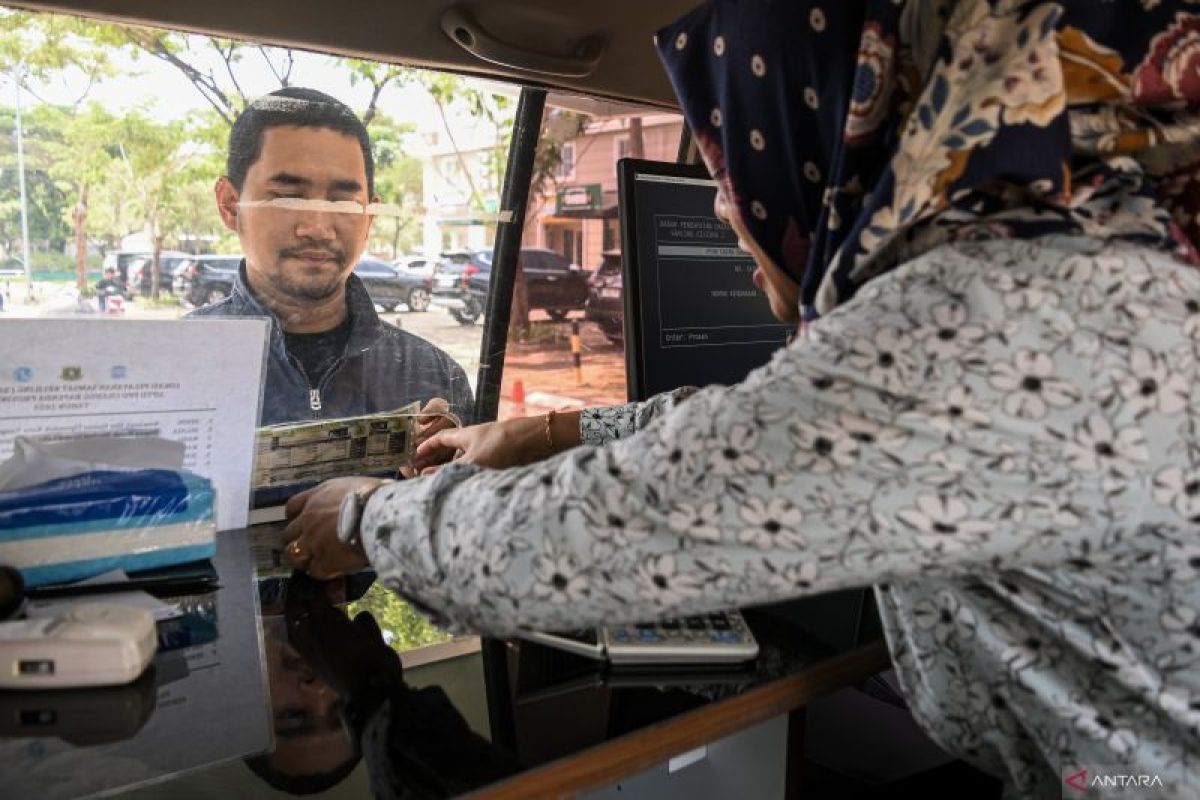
(549, 432)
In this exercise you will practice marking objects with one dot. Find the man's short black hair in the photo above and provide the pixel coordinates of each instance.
(292, 105)
(313, 783)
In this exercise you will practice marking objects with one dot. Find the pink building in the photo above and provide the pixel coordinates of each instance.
(579, 219)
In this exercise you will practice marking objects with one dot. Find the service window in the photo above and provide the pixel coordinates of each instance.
(349, 177)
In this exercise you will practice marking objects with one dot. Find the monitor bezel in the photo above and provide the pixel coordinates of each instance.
(627, 170)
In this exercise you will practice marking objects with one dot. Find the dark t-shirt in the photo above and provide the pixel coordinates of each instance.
(317, 352)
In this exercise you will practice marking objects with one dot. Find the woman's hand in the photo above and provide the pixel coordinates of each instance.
(497, 445)
(311, 540)
(492, 444)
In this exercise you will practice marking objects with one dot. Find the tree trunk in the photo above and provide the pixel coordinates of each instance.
(155, 263)
(637, 143)
(80, 219)
(118, 231)
(518, 325)
(476, 198)
(395, 238)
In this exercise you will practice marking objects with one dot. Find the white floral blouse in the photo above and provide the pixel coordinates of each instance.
(1000, 436)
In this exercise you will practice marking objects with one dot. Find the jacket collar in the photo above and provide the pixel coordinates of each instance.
(364, 322)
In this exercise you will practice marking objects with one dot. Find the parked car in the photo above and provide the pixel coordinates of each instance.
(606, 297)
(210, 279)
(170, 263)
(122, 261)
(450, 288)
(418, 264)
(555, 285)
(389, 285)
(207, 280)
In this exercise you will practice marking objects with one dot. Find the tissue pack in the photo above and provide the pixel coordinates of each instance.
(80, 526)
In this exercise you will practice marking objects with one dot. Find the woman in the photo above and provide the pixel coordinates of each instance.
(989, 213)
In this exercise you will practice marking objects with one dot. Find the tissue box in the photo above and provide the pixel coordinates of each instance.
(73, 528)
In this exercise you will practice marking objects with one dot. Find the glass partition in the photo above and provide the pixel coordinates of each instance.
(154, 174)
(566, 338)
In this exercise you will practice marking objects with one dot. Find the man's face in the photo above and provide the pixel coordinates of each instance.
(301, 255)
(309, 737)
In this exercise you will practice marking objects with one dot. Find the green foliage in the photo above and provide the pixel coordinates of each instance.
(51, 265)
(397, 180)
(106, 175)
(44, 44)
(403, 627)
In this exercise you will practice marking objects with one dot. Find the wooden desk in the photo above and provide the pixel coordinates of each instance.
(608, 763)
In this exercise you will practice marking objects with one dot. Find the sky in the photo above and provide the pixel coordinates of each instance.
(168, 95)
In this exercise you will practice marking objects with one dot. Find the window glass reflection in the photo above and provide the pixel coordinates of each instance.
(175, 176)
(566, 343)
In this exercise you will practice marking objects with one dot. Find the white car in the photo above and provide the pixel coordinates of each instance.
(419, 265)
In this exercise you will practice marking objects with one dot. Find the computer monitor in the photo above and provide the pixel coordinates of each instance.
(692, 314)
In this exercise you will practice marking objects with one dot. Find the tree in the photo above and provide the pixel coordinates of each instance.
(444, 89)
(183, 52)
(38, 46)
(397, 181)
(637, 142)
(222, 88)
(46, 201)
(378, 76)
(159, 159)
(558, 127)
(402, 627)
(47, 45)
(80, 161)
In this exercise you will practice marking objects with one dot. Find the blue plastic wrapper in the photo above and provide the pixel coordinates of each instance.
(78, 527)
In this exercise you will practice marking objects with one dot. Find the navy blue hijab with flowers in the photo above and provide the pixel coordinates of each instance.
(853, 135)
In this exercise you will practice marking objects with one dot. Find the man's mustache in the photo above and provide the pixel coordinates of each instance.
(308, 251)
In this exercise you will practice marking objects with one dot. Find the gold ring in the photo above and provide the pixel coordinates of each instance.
(295, 547)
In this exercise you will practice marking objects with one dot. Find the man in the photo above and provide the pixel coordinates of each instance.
(312, 750)
(107, 286)
(330, 354)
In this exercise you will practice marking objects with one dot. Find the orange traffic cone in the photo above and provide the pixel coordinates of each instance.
(518, 398)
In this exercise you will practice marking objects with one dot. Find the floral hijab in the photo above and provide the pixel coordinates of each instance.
(852, 135)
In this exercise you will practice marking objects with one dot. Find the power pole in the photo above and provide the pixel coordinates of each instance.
(21, 182)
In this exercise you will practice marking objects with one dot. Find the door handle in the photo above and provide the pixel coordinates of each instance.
(463, 29)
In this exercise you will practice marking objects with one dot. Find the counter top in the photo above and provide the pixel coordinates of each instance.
(276, 685)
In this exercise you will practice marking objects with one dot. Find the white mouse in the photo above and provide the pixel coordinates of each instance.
(87, 645)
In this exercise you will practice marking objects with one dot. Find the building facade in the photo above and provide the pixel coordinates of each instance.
(578, 216)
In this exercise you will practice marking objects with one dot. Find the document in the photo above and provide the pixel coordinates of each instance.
(197, 382)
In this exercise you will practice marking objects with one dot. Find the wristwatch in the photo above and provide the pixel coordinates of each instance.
(351, 510)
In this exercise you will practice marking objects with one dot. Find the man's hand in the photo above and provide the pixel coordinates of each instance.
(311, 541)
(435, 419)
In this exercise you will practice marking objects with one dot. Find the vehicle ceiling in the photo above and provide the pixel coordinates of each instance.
(410, 32)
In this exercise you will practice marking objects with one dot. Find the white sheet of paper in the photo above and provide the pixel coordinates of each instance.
(162, 610)
(195, 381)
(112, 576)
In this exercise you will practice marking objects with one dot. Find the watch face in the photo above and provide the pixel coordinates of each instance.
(348, 516)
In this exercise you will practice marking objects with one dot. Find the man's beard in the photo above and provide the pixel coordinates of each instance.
(306, 290)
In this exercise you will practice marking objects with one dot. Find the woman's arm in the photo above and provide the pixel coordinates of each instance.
(524, 440)
(866, 452)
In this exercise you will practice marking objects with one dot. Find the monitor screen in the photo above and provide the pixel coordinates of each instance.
(693, 314)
